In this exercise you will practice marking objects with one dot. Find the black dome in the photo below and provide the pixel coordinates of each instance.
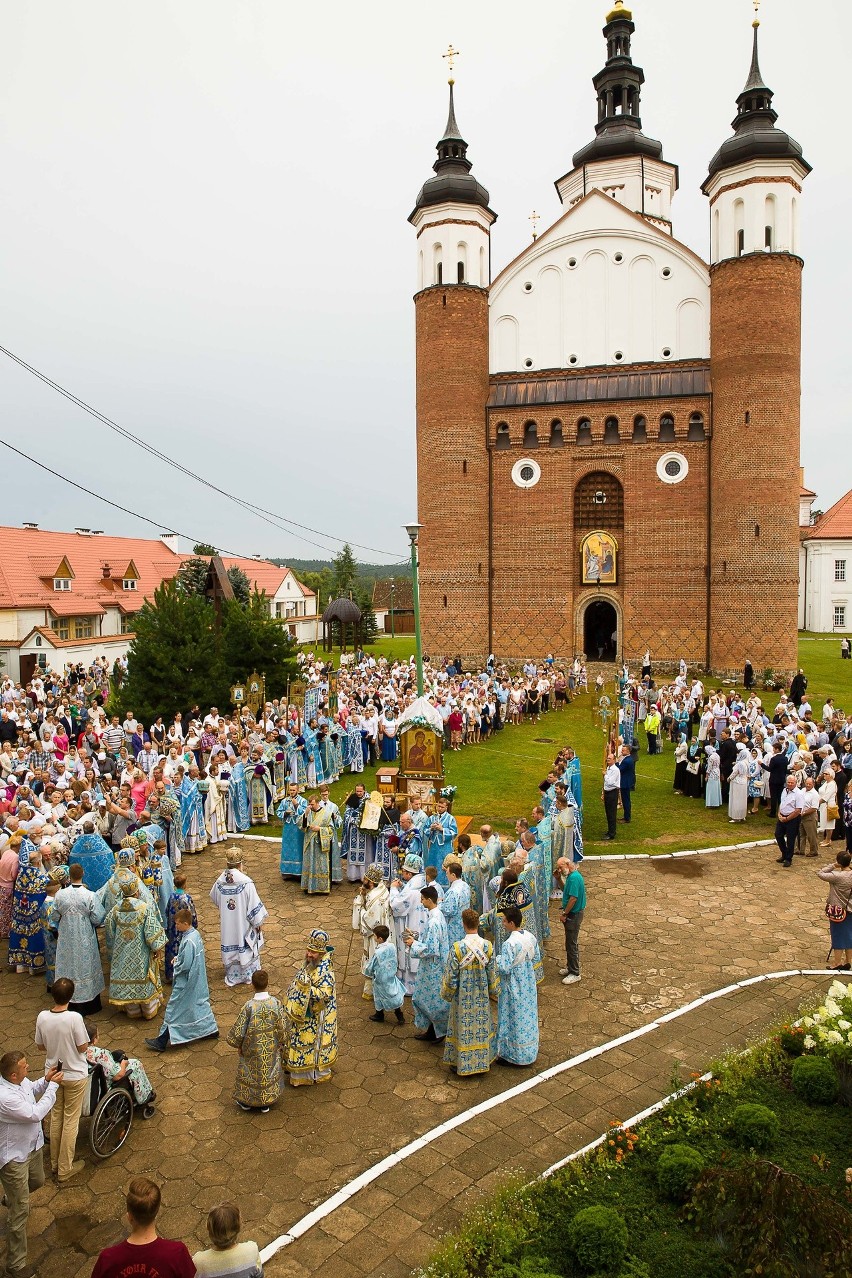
(453, 181)
(755, 135)
(345, 610)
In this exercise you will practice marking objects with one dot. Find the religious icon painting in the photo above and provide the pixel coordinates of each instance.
(420, 752)
(599, 558)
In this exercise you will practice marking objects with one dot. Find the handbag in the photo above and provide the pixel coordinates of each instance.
(832, 812)
(693, 768)
(837, 913)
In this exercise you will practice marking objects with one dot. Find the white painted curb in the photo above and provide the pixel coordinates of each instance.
(393, 1160)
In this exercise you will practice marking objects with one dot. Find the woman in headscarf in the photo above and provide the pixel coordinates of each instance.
(738, 793)
(26, 940)
(681, 753)
(713, 796)
(755, 779)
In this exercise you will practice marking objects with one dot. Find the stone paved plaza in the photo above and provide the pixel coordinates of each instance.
(657, 934)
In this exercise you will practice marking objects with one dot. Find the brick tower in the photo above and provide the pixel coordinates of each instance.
(453, 222)
(754, 186)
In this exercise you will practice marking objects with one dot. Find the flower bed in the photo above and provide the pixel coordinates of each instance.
(744, 1174)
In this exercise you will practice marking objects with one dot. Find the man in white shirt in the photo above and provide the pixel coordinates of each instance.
(62, 1035)
(789, 819)
(808, 825)
(609, 794)
(23, 1105)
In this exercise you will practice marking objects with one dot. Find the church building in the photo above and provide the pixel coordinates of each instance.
(608, 430)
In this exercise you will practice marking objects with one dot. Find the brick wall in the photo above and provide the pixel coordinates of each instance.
(755, 366)
(538, 596)
(452, 467)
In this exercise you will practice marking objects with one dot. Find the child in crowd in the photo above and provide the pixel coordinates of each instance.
(388, 989)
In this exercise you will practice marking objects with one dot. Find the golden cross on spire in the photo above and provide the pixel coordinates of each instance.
(451, 56)
(535, 218)
(756, 4)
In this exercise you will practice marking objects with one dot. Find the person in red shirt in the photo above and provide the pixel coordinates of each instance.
(455, 723)
(144, 1254)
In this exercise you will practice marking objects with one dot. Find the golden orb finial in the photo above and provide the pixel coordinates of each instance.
(756, 4)
(619, 12)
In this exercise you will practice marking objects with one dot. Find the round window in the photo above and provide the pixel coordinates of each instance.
(672, 468)
(526, 473)
(572, 262)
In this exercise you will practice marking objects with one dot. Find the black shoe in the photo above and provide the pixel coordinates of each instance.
(428, 1036)
(786, 865)
(608, 838)
(779, 860)
(400, 1019)
(378, 1016)
(154, 1045)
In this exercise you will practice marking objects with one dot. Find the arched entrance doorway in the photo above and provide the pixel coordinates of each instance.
(600, 631)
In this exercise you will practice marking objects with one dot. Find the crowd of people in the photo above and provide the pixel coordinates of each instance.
(97, 814)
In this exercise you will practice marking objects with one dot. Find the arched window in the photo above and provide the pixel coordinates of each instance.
(438, 263)
(598, 502)
(556, 438)
(640, 430)
(461, 263)
(584, 431)
(460, 272)
(667, 427)
(611, 435)
(530, 435)
(503, 440)
(696, 427)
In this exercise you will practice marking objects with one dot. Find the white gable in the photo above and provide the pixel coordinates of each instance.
(600, 286)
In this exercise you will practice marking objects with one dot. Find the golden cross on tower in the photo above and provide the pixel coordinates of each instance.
(756, 4)
(535, 218)
(450, 56)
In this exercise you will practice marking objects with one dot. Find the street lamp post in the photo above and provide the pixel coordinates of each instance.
(392, 589)
(413, 531)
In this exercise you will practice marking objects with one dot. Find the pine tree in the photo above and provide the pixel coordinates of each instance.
(345, 572)
(192, 576)
(252, 640)
(240, 585)
(204, 548)
(173, 662)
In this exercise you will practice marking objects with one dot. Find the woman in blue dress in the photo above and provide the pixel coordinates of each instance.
(239, 818)
(291, 810)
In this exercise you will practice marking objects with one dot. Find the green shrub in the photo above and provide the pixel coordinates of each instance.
(754, 1127)
(815, 1080)
(598, 1239)
(678, 1169)
(792, 1039)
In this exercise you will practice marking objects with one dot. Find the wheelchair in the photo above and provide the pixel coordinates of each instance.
(110, 1108)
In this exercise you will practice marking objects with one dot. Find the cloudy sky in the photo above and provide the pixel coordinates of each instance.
(203, 232)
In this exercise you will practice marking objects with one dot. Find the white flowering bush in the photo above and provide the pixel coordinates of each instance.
(828, 1030)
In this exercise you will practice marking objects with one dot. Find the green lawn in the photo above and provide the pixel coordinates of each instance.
(498, 780)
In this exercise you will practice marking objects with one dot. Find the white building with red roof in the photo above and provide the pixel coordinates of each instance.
(68, 597)
(825, 567)
(289, 600)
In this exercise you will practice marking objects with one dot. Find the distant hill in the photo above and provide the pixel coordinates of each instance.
(369, 572)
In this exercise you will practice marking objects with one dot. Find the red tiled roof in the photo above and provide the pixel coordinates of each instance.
(54, 640)
(806, 492)
(263, 575)
(30, 556)
(836, 522)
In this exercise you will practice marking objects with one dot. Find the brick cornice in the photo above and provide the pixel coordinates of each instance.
(451, 221)
(735, 186)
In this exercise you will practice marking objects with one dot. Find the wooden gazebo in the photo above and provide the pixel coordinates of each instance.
(346, 615)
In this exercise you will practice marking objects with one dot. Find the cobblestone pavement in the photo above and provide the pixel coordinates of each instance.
(657, 934)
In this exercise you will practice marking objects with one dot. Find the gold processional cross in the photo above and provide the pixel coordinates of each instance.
(450, 56)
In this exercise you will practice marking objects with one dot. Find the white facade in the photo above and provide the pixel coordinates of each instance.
(641, 184)
(299, 610)
(755, 208)
(825, 585)
(602, 286)
(453, 245)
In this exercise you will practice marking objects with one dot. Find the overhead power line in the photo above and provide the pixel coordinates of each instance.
(278, 521)
(135, 513)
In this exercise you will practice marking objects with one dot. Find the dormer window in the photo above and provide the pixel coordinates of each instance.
(128, 583)
(61, 583)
